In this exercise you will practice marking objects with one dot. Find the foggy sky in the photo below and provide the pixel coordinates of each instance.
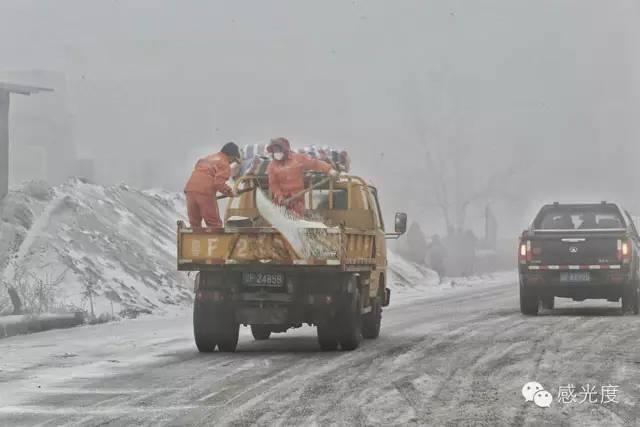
(546, 90)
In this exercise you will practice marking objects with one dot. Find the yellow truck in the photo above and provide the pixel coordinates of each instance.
(249, 274)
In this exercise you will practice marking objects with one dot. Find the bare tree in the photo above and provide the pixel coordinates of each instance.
(456, 179)
(37, 291)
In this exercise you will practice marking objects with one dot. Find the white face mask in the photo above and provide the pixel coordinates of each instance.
(278, 156)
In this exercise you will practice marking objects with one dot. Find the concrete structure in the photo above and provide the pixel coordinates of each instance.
(42, 131)
(6, 89)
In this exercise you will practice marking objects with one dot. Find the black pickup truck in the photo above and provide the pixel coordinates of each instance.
(579, 251)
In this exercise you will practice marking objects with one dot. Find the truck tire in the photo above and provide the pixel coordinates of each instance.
(548, 302)
(203, 327)
(372, 320)
(260, 332)
(327, 338)
(631, 298)
(528, 301)
(350, 318)
(227, 335)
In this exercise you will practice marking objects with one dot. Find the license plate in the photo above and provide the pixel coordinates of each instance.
(273, 280)
(582, 276)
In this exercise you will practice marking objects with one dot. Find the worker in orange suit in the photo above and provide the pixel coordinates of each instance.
(286, 174)
(209, 177)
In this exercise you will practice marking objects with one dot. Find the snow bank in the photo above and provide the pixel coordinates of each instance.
(406, 274)
(58, 241)
(409, 281)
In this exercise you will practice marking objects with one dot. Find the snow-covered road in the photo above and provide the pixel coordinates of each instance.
(459, 357)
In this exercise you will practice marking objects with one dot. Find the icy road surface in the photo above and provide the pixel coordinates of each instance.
(458, 357)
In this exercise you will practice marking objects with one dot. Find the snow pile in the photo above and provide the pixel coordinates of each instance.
(406, 274)
(60, 244)
(409, 281)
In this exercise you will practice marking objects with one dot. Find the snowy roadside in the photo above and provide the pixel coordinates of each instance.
(401, 295)
(88, 351)
(85, 247)
(24, 324)
(410, 282)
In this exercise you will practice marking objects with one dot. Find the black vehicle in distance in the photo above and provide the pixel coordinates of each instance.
(579, 251)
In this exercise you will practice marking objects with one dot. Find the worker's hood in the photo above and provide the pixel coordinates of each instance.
(283, 143)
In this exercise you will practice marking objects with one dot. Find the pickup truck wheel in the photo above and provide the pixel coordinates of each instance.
(260, 332)
(631, 298)
(203, 330)
(528, 301)
(327, 336)
(372, 320)
(548, 302)
(227, 336)
(351, 321)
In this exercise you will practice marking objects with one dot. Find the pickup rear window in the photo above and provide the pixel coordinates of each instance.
(578, 217)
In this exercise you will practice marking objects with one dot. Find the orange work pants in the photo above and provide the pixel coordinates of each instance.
(203, 206)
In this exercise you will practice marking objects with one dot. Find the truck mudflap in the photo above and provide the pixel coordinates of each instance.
(387, 297)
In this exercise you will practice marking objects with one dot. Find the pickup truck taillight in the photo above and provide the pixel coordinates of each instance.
(624, 251)
(524, 253)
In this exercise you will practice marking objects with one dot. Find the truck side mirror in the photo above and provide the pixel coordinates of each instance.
(401, 223)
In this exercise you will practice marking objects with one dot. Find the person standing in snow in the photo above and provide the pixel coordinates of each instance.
(286, 174)
(209, 177)
(468, 252)
(437, 254)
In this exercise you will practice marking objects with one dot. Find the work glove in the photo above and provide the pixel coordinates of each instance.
(334, 173)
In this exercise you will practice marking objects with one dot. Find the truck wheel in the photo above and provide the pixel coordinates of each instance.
(631, 298)
(227, 336)
(528, 301)
(372, 320)
(203, 327)
(327, 337)
(260, 332)
(351, 322)
(548, 302)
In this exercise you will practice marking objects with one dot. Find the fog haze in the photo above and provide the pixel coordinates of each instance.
(507, 103)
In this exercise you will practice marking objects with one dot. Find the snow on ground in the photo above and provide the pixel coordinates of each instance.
(409, 281)
(457, 359)
(119, 240)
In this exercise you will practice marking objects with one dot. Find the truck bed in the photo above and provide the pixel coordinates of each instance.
(263, 246)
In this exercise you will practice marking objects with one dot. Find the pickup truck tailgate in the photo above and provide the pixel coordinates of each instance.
(594, 248)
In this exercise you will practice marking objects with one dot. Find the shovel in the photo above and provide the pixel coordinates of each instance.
(246, 190)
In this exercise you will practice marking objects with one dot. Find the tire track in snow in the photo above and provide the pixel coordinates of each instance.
(364, 362)
(458, 361)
